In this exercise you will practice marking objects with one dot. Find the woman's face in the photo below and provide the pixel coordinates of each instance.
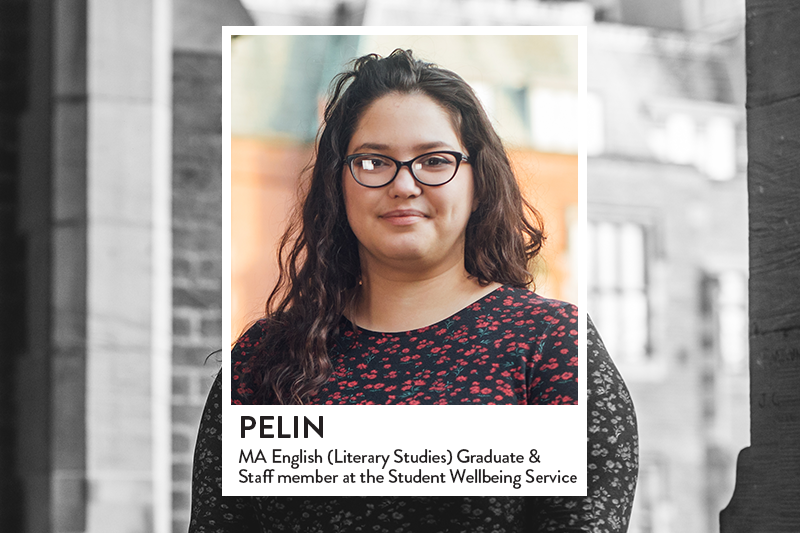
(406, 224)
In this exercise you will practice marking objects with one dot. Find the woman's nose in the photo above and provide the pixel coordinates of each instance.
(404, 184)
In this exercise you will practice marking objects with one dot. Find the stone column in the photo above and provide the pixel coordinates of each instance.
(110, 261)
(767, 494)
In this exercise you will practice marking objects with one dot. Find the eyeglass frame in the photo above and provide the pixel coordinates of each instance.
(400, 164)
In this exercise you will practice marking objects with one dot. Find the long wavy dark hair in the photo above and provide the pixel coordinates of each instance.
(318, 254)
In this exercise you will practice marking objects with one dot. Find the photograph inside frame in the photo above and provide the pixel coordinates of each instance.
(338, 174)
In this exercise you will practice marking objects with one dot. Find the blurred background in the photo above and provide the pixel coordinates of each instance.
(111, 202)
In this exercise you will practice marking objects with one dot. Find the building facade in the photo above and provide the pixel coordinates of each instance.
(668, 259)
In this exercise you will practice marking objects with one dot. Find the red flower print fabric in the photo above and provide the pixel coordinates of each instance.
(510, 347)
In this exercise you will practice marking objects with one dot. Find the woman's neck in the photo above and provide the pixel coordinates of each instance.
(392, 301)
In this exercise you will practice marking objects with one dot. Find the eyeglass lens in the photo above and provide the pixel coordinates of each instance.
(430, 169)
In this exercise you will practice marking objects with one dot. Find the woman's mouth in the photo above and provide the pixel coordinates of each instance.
(403, 217)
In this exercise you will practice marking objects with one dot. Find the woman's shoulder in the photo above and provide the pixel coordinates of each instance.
(528, 300)
(514, 312)
(243, 355)
(543, 333)
(249, 340)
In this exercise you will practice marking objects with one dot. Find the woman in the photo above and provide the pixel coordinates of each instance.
(404, 282)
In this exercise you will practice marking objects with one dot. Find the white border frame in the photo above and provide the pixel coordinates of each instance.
(565, 448)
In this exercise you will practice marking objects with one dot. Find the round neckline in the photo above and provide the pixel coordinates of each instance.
(361, 330)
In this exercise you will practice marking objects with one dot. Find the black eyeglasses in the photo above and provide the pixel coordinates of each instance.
(432, 169)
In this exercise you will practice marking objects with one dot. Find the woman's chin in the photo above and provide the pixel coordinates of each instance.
(414, 254)
(406, 255)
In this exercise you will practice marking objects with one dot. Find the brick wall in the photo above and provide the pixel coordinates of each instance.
(197, 246)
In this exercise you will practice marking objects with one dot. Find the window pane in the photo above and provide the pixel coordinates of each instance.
(554, 120)
(681, 138)
(733, 320)
(591, 236)
(618, 289)
(606, 256)
(720, 155)
(595, 138)
(609, 323)
(632, 256)
(635, 320)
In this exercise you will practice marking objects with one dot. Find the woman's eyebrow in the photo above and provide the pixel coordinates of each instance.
(370, 146)
(422, 147)
(432, 145)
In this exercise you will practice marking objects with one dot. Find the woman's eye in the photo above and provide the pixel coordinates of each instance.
(436, 161)
(373, 164)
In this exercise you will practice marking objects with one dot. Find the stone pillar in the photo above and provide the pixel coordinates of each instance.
(96, 450)
(92, 383)
(767, 494)
(128, 264)
(16, 18)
